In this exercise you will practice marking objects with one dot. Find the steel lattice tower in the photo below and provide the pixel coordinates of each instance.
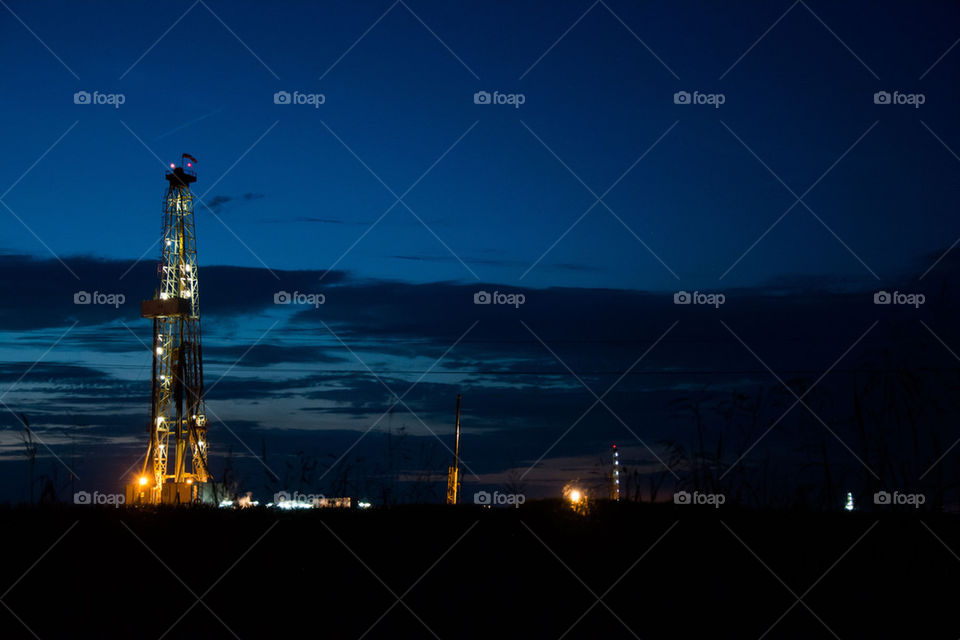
(615, 476)
(453, 473)
(175, 467)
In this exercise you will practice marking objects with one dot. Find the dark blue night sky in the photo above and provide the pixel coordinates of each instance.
(399, 197)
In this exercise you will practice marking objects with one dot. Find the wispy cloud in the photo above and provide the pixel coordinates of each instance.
(216, 203)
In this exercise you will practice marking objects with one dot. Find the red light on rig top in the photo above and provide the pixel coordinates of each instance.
(189, 164)
(172, 165)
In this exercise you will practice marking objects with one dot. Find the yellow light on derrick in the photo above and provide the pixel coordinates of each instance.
(575, 496)
(142, 480)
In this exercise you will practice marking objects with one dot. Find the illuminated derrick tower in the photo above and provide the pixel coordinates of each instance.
(453, 473)
(615, 476)
(175, 468)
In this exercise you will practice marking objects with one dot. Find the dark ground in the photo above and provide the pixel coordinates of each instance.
(469, 572)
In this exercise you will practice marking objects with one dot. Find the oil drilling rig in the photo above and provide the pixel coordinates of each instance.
(175, 467)
(453, 473)
(615, 476)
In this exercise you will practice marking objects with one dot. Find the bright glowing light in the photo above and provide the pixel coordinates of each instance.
(287, 505)
(189, 165)
(849, 505)
(172, 165)
(142, 480)
(363, 505)
(159, 350)
(576, 497)
(163, 296)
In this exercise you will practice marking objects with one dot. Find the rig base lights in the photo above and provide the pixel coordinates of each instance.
(288, 505)
(140, 490)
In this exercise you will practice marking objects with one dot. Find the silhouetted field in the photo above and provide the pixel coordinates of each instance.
(662, 571)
